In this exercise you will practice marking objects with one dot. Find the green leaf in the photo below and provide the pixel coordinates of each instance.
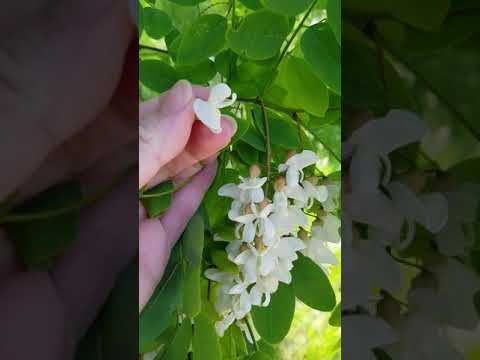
(178, 348)
(187, 2)
(193, 240)
(322, 52)
(192, 302)
(192, 245)
(287, 7)
(260, 35)
(304, 90)
(157, 199)
(155, 317)
(254, 139)
(201, 73)
(283, 132)
(311, 285)
(205, 340)
(252, 4)
(273, 322)
(239, 340)
(259, 356)
(156, 22)
(204, 38)
(334, 17)
(247, 153)
(467, 171)
(336, 316)
(40, 241)
(157, 75)
(221, 261)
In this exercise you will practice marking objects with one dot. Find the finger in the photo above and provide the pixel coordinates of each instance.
(158, 237)
(201, 145)
(165, 126)
(107, 242)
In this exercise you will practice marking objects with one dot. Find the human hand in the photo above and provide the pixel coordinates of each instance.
(68, 99)
(172, 146)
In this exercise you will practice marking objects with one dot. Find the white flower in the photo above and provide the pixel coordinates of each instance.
(295, 165)
(249, 190)
(311, 193)
(255, 222)
(207, 111)
(333, 193)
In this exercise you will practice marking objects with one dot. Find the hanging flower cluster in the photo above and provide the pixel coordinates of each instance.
(268, 235)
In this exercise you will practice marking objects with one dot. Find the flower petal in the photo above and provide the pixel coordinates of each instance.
(208, 114)
(219, 93)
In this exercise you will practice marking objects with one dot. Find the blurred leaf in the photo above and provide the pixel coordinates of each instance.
(311, 285)
(336, 316)
(273, 322)
(155, 317)
(38, 242)
(201, 73)
(252, 4)
(193, 240)
(221, 261)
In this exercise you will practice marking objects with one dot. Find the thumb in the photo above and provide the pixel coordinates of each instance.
(165, 130)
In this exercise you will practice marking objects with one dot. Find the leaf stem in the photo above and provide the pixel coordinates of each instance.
(300, 131)
(266, 127)
(251, 334)
(328, 148)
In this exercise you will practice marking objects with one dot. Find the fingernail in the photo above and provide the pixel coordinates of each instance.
(233, 122)
(177, 98)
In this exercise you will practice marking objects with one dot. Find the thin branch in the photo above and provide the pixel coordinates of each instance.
(328, 148)
(266, 127)
(300, 131)
(287, 45)
(251, 334)
(271, 106)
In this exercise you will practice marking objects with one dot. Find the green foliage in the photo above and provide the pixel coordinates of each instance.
(268, 53)
(311, 285)
(260, 35)
(274, 321)
(47, 224)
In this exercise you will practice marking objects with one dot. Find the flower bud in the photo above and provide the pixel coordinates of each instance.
(303, 235)
(255, 171)
(280, 184)
(313, 180)
(290, 153)
(243, 247)
(263, 204)
(318, 222)
(259, 245)
(247, 209)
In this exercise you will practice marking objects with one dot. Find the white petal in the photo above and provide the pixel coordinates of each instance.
(256, 296)
(208, 114)
(304, 159)
(218, 276)
(229, 190)
(221, 326)
(257, 195)
(267, 264)
(219, 93)
(227, 102)
(249, 232)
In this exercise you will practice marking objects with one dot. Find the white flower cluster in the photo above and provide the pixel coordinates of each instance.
(269, 234)
(381, 211)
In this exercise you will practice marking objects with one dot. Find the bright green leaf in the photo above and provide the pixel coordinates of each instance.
(178, 348)
(252, 4)
(274, 321)
(205, 340)
(311, 285)
(201, 73)
(157, 23)
(157, 75)
(322, 52)
(204, 38)
(221, 261)
(260, 35)
(334, 17)
(287, 7)
(336, 316)
(193, 240)
(192, 303)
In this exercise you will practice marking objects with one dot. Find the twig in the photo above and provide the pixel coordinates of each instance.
(251, 334)
(271, 106)
(300, 131)
(266, 127)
